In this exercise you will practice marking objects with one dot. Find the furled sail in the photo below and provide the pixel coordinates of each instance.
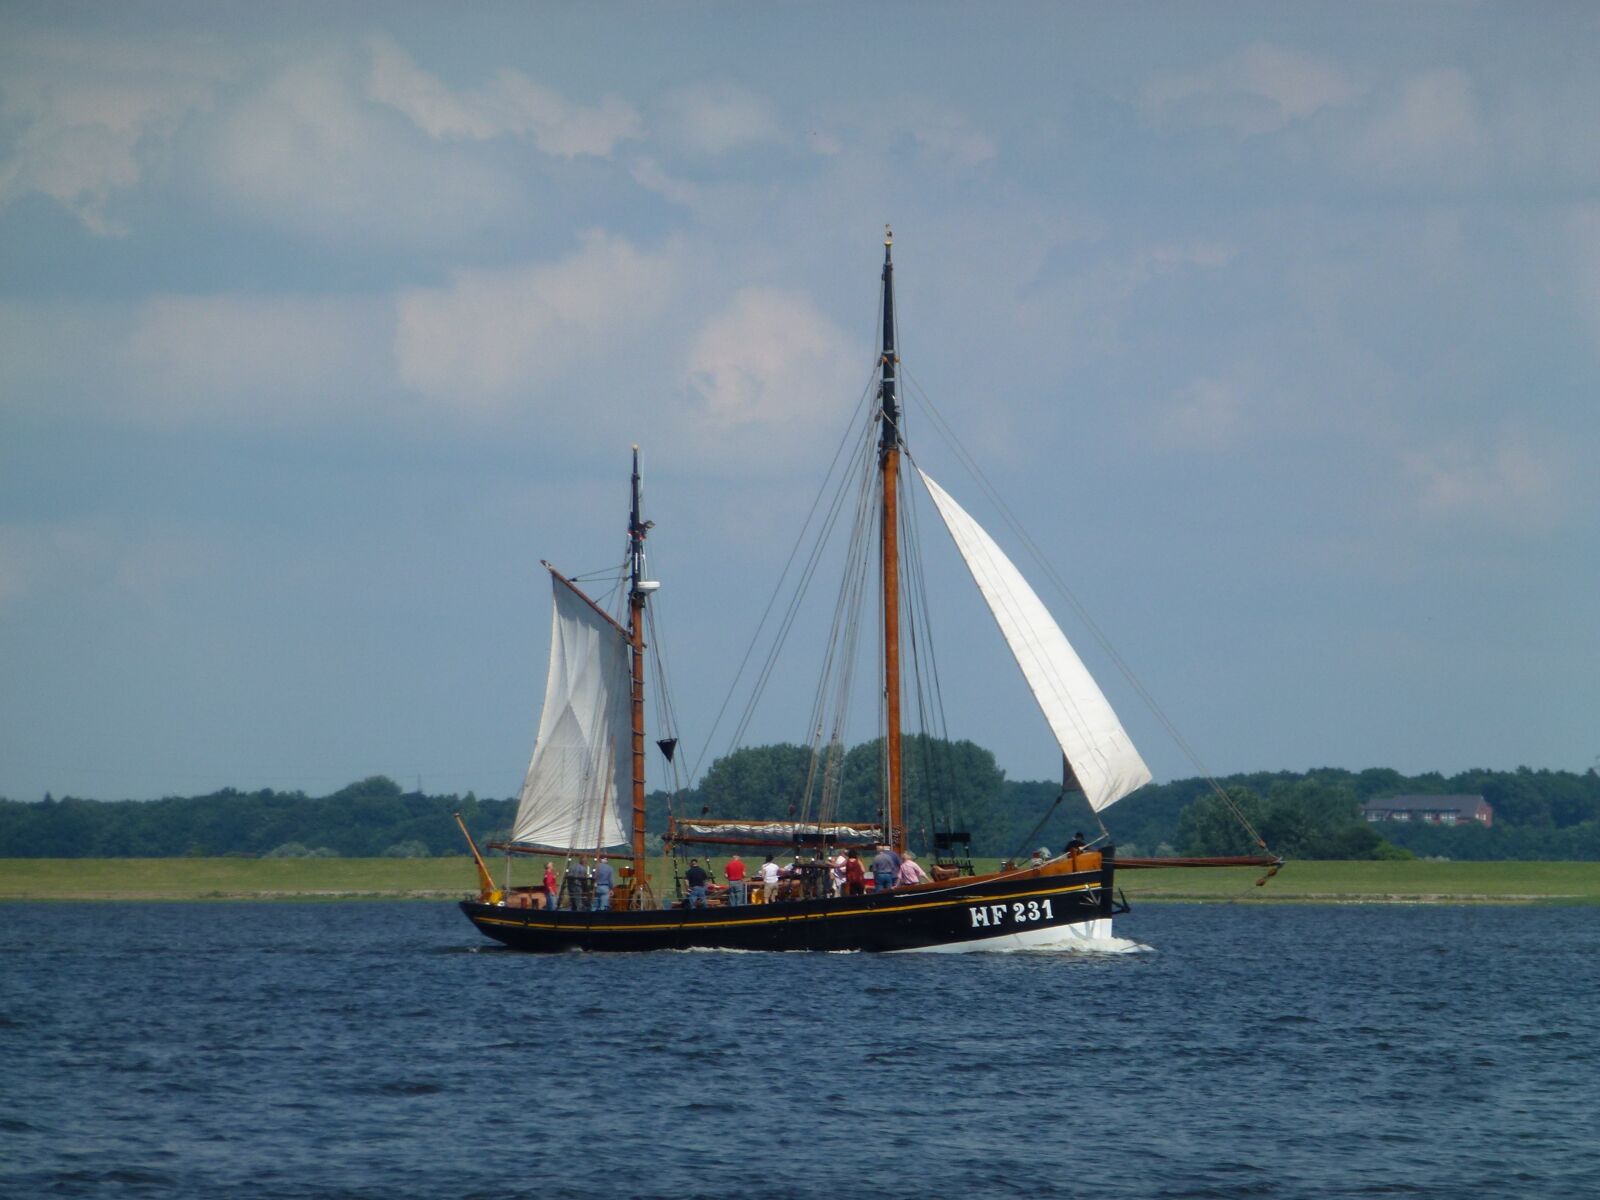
(775, 833)
(1096, 746)
(570, 795)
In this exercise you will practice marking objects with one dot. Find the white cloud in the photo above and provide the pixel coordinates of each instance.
(1507, 482)
(946, 136)
(309, 153)
(493, 336)
(1094, 303)
(771, 358)
(89, 114)
(1209, 413)
(1258, 90)
(510, 104)
(648, 174)
(940, 138)
(1430, 125)
(712, 119)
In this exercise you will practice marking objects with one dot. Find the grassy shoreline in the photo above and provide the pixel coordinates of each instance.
(210, 879)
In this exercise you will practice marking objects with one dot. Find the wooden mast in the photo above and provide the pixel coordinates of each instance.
(637, 590)
(889, 465)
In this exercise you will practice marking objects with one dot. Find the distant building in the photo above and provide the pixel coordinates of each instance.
(1430, 810)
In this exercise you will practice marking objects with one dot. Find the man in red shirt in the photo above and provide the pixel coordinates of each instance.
(736, 884)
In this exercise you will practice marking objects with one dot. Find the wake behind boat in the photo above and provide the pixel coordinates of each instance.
(584, 793)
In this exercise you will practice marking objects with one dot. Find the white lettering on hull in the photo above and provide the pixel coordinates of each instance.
(1018, 912)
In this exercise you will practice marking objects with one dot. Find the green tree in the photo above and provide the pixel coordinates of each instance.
(1209, 827)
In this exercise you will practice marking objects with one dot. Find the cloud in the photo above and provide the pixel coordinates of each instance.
(1095, 302)
(1258, 90)
(771, 358)
(310, 153)
(492, 337)
(648, 174)
(1508, 482)
(944, 137)
(509, 105)
(1430, 124)
(711, 119)
(1209, 413)
(915, 129)
(90, 114)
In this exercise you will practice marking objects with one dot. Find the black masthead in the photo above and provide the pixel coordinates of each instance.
(888, 401)
(637, 529)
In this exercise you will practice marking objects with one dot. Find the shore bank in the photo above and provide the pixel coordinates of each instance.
(131, 879)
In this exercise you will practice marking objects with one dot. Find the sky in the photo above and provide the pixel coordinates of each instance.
(1277, 326)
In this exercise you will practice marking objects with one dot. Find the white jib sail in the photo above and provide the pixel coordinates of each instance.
(1093, 740)
(569, 797)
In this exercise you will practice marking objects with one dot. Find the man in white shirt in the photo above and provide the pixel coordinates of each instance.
(769, 880)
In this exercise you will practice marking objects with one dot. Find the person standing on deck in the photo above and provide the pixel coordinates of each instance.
(604, 880)
(836, 874)
(884, 869)
(696, 878)
(911, 871)
(552, 885)
(769, 880)
(855, 879)
(736, 884)
(577, 884)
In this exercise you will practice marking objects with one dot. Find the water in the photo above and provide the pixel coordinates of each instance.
(379, 1050)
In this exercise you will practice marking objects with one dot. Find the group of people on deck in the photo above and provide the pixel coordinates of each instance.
(586, 890)
(842, 874)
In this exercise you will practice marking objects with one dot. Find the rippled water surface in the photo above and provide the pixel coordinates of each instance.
(379, 1050)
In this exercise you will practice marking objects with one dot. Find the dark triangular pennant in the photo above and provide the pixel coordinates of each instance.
(668, 747)
(1069, 778)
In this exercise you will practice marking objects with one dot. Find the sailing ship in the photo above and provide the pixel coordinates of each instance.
(584, 792)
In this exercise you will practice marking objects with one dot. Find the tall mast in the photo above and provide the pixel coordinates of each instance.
(889, 465)
(638, 588)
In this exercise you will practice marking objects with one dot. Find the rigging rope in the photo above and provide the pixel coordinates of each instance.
(948, 434)
(755, 638)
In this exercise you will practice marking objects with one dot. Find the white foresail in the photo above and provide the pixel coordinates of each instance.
(570, 795)
(1095, 745)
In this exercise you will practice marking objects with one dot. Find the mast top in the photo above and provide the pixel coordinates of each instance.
(888, 401)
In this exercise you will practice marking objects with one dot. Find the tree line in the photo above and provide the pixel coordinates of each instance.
(950, 785)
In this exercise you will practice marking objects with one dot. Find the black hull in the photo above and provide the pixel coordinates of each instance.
(1015, 909)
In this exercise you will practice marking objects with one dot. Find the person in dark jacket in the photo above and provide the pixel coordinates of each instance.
(578, 884)
(697, 879)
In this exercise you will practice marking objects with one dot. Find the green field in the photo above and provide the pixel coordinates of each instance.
(450, 878)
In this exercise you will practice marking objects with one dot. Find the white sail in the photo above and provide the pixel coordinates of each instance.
(1096, 746)
(570, 798)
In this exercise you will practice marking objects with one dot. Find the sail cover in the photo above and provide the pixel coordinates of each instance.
(775, 833)
(570, 797)
(1096, 746)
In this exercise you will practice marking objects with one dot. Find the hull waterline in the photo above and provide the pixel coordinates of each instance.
(1008, 911)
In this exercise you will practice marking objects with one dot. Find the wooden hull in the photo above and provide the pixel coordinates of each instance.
(1010, 910)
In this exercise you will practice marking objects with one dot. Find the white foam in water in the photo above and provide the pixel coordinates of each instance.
(1088, 937)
